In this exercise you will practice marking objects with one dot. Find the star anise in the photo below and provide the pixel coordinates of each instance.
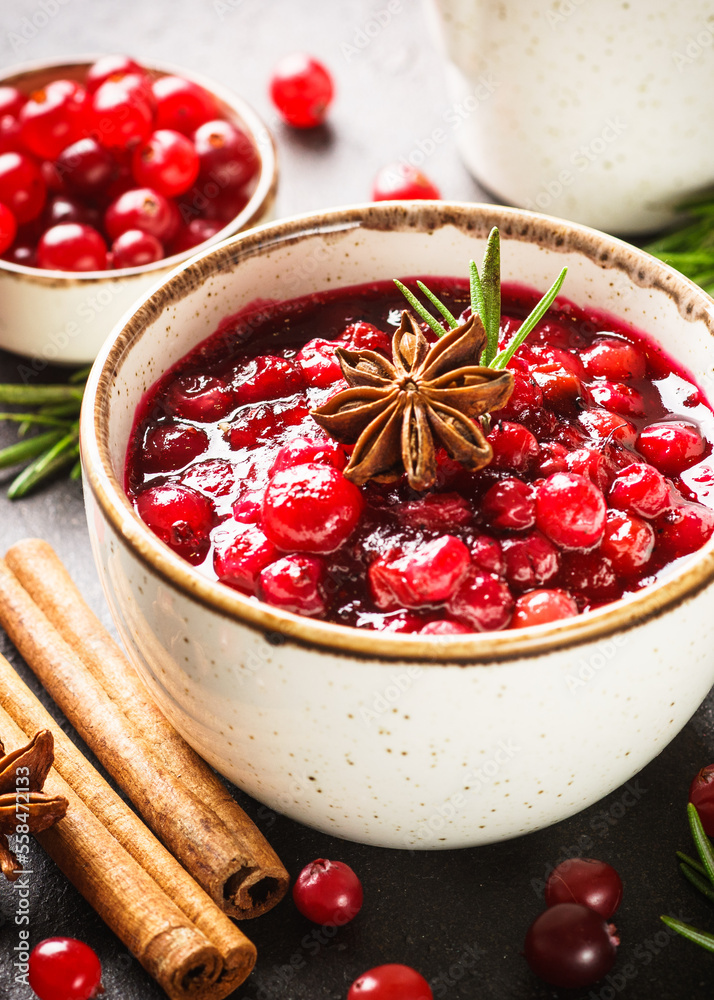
(398, 412)
(22, 801)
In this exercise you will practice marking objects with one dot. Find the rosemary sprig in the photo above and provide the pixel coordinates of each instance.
(701, 875)
(48, 431)
(485, 292)
(690, 246)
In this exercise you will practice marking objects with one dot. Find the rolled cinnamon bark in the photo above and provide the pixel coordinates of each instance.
(237, 953)
(217, 855)
(169, 946)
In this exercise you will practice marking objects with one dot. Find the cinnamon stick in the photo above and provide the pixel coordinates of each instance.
(170, 947)
(224, 852)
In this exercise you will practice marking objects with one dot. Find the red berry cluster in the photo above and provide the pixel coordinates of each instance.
(572, 944)
(121, 170)
(589, 494)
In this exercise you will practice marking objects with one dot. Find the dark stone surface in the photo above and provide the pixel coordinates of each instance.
(460, 917)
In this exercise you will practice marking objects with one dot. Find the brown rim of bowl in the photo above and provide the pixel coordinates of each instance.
(280, 626)
(257, 206)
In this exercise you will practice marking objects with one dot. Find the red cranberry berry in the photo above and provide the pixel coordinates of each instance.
(181, 104)
(363, 336)
(509, 505)
(428, 574)
(226, 154)
(122, 114)
(166, 162)
(240, 554)
(214, 476)
(196, 232)
(671, 446)
(10, 130)
(295, 583)
(310, 508)
(570, 511)
(445, 627)
(684, 529)
(402, 182)
(302, 450)
(553, 457)
(437, 511)
(135, 249)
(587, 881)
(615, 359)
(144, 209)
(526, 395)
(265, 377)
(701, 795)
(590, 574)
(115, 66)
(482, 602)
(86, 167)
(328, 892)
(180, 516)
(530, 560)
(11, 101)
(256, 425)
(22, 187)
(64, 969)
(605, 425)
(8, 228)
(570, 945)
(390, 982)
(561, 388)
(538, 607)
(619, 397)
(72, 246)
(487, 554)
(628, 542)
(302, 90)
(54, 117)
(203, 398)
(640, 488)
(170, 447)
(515, 449)
(596, 464)
(68, 208)
(318, 363)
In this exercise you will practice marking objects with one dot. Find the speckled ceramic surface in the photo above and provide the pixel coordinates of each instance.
(399, 741)
(596, 112)
(51, 317)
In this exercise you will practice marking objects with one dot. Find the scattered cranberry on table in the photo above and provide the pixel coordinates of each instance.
(328, 892)
(125, 151)
(701, 795)
(570, 945)
(301, 89)
(65, 969)
(390, 982)
(401, 181)
(585, 880)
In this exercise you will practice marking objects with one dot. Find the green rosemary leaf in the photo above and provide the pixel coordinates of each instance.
(76, 471)
(478, 305)
(80, 376)
(701, 841)
(691, 862)
(58, 457)
(70, 409)
(491, 292)
(502, 359)
(701, 938)
(23, 451)
(420, 309)
(35, 418)
(37, 395)
(697, 881)
(448, 316)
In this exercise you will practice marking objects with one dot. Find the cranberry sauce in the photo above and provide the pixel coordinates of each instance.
(598, 480)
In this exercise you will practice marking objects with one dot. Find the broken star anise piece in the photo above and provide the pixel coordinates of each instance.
(398, 412)
(22, 801)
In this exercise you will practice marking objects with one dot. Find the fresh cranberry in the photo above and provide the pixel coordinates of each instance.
(328, 892)
(362, 336)
(570, 511)
(427, 574)
(553, 457)
(115, 66)
(509, 505)
(226, 154)
(628, 542)
(604, 425)
(86, 167)
(135, 249)
(22, 187)
(570, 945)
(487, 554)
(390, 982)
(400, 181)
(265, 377)
(68, 208)
(72, 246)
(671, 446)
(302, 450)
(437, 511)
(530, 560)
(617, 396)
(12, 101)
(483, 602)
(180, 516)
(64, 969)
(54, 117)
(170, 447)
(684, 529)
(10, 129)
(640, 488)
(182, 105)
(8, 228)
(22, 253)
(301, 89)
(214, 476)
(122, 114)
(701, 795)
(538, 607)
(144, 209)
(256, 425)
(584, 880)
(445, 627)
(192, 235)
(295, 583)
(225, 205)
(319, 364)
(240, 554)
(311, 508)
(200, 397)
(515, 449)
(166, 162)
(614, 359)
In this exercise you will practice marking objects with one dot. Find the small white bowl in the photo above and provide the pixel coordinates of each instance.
(398, 740)
(57, 317)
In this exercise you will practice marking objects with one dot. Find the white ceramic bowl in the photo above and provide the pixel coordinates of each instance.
(56, 317)
(394, 740)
